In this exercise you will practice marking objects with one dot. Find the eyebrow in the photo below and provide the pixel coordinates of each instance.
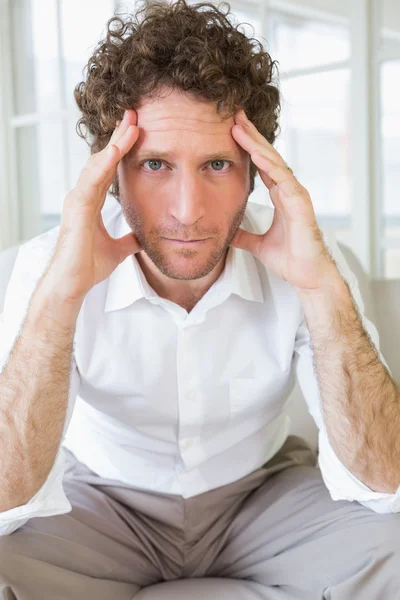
(218, 155)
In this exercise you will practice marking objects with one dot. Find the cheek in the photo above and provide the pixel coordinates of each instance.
(236, 190)
(135, 191)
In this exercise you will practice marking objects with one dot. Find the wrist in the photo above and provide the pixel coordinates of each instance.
(53, 302)
(333, 284)
(330, 309)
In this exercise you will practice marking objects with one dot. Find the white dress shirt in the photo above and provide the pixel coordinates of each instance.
(182, 402)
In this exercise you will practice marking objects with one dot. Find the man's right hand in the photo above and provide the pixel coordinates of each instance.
(85, 254)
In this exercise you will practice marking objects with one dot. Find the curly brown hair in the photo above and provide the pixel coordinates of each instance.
(196, 48)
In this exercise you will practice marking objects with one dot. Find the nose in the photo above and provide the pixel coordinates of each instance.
(188, 198)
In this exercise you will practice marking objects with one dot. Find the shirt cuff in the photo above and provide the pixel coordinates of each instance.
(48, 501)
(343, 485)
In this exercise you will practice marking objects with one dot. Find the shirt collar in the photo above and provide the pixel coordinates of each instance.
(127, 282)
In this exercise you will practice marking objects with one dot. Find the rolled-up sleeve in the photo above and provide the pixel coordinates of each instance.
(50, 499)
(341, 483)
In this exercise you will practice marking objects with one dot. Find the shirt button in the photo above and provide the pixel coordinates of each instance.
(190, 395)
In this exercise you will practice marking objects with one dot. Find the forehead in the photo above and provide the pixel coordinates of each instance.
(180, 122)
(180, 111)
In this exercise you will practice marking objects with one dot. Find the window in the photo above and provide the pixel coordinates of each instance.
(48, 43)
(51, 42)
(296, 39)
(390, 77)
(315, 91)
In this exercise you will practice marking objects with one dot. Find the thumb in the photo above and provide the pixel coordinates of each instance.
(251, 242)
(128, 244)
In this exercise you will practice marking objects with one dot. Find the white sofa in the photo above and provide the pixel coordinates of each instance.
(382, 307)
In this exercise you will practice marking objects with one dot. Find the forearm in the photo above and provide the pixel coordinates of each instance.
(360, 401)
(34, 387)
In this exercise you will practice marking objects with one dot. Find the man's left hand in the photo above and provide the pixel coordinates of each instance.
(293, 247)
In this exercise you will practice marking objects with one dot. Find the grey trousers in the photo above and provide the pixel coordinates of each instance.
(275, 534)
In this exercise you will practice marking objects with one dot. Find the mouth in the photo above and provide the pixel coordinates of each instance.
(188, 242)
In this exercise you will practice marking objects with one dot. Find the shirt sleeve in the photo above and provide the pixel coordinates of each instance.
(341, 483)
(50, 499)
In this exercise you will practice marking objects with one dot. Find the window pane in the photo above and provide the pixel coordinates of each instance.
(250, 24)
(124, 6)
(41, 185)
(78, 153)
(83, 28)
(392, 255)
(242, 13)
(298, 43)
(392, 263)
(35, 56)
(390, 77)
(344, 236)
(28, 181)
(315, 138)
(391, 17)
(50, 151)
(393, 230)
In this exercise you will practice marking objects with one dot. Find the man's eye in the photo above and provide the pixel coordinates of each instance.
(152, 160)
(219, 162)
(155, 164)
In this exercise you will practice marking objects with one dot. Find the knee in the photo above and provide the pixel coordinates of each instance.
(387, 555)
(8, 559)
(390, 536)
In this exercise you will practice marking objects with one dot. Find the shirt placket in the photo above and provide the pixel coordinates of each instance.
(190, 405)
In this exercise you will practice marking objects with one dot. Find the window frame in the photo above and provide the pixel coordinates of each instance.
(9, 206)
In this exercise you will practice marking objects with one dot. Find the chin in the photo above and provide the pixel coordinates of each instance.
(186, 264)
(177, 268)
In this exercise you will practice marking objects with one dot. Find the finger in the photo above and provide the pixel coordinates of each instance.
(127, 245)
(296, 197)
(115, 133)
(270, 183)
(125, 142)
(115, 152)
(101, 167)
(248, 136)
(278, 174)
(251, 242)
(129, 118)
(240, 118)
(250, 143)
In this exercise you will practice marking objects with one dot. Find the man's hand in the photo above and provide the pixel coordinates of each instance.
(360, 400)
(85, 253)
(293, 248)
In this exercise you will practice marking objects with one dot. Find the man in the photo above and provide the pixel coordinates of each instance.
(184, 314)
